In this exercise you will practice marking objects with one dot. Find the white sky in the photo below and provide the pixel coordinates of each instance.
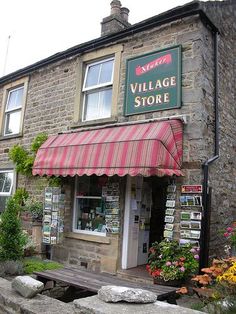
(40, 28)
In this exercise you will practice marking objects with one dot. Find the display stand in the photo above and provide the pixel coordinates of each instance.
(53, 215)
(191, 214)
(110, 193)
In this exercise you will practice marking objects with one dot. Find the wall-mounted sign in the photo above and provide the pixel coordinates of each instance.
(191, 189)
(153, 81)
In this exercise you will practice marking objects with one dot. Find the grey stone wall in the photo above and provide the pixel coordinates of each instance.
(222, 176)
(50, 108)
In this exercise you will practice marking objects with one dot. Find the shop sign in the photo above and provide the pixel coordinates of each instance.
(153, 82)
(191, 189)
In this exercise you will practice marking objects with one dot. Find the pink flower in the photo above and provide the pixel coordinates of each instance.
(226, 234)
(229, 229)
(182, 269)
(168, 263)
(196, 257)
(193, 250)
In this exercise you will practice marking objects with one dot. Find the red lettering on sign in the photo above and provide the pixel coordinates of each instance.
(139, 70)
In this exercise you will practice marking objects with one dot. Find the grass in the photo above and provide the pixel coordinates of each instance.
(31, 265)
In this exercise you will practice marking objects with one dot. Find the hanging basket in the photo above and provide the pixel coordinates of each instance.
(173, 283)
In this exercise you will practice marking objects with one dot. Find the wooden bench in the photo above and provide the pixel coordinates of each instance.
(92, 281)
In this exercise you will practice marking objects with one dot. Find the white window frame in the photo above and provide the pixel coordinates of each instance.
(96, 88)
(101, 234)
(11, 188)
(7, 89)
(10, 111)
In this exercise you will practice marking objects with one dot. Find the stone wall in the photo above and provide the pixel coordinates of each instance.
(50, 107)
(222, 173)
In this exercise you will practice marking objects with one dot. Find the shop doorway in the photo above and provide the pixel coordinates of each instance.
(157, 219)
(143, 219)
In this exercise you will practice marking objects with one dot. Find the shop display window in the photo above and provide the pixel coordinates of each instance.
(89, 208)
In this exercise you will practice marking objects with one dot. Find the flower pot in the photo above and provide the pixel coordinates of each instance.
(162, 282)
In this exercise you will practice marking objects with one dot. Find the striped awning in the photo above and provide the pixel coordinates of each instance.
(153, 148)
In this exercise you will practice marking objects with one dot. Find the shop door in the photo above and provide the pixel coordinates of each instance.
(138, 201)
(144, 223)
(143, 219)
(158, 210)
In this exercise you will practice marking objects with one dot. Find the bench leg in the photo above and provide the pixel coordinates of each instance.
(171, 299)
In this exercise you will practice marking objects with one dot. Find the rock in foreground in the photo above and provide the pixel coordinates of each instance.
(115, 294)
(27, 286)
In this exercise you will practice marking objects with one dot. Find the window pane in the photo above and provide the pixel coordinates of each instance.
(90, 209)
(105, 103)
(6, 181)
(98, 105)
(106, 72)
(12, 124)
(15, 99)
(92, 75)
(91, 106)
(90, 214)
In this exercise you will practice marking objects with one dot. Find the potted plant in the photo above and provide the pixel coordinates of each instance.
(35, 208)
(171, 264)
(230, 235)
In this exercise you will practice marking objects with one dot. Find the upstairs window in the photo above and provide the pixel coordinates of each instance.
(13, 111)
(97, 90)
(13, 104)
(6, 184)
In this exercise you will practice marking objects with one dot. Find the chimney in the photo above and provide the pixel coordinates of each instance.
(117, 20)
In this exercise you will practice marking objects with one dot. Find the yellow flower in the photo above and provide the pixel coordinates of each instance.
(229, 275)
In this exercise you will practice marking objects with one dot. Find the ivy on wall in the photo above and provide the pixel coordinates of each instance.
(24, 159)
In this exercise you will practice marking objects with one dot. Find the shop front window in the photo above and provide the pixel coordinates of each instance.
(89, 208)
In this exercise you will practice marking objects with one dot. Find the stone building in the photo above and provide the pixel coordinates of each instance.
(141, 125)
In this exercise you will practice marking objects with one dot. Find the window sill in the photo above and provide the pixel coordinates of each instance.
(7, 137)
(94, 122)
(88, 237)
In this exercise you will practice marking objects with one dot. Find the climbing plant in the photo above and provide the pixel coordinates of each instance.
(24, 159)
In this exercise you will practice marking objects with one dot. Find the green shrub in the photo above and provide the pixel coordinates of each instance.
(12, 238)
(34, 264)
(20, 196)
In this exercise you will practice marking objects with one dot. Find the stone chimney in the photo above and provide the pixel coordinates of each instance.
(117, 20)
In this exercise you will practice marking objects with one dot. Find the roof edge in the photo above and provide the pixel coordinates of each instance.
(189, 9)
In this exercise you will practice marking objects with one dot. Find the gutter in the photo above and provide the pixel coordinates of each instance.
(204, 241)
(193, 8)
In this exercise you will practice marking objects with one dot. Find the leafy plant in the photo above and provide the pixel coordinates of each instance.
(170, 261)
(34, 207)
(38, 141)
(12, 238)
(33, 264)
(23, 159)
(217, 286)
(230, 234)
(54, 182)
(20, 196)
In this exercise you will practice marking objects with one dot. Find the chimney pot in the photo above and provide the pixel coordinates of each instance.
(124, 13)
(115, 7)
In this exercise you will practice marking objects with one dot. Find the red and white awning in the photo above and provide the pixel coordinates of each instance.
(153, 148)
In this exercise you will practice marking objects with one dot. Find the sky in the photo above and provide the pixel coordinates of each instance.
(31, 30)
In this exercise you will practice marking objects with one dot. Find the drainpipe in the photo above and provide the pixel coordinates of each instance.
(204, 241)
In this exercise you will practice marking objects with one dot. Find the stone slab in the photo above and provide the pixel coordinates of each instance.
(93, 305)
(132, 295)
(12, 302)
(27, 286)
